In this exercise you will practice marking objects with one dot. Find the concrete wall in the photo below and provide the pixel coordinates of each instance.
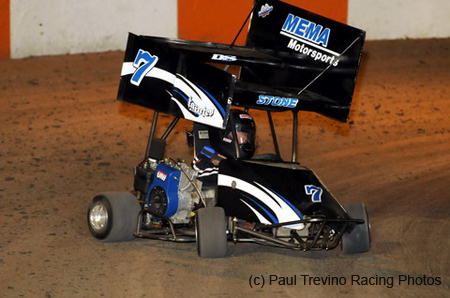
(399, 19)
(49, 27)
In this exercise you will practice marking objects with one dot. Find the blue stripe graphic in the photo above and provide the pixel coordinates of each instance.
(182, 95)
(289, 203)
(221, 110)
(273, 218)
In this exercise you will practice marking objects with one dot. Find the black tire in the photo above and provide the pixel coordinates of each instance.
(112, 216)
(210, 232)
(357, 239)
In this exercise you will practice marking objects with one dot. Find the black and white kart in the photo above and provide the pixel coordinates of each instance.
(294, 60)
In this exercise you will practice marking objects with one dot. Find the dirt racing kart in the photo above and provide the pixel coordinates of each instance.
(293, 60)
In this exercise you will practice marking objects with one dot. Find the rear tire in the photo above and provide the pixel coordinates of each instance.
(357, 239)
(210, 232)
(112, 216)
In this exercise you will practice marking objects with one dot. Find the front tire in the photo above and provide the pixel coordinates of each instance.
(210, 231)
(112, 216)
(358, 239)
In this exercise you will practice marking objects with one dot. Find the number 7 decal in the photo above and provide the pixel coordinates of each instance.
(144, 62)
(315, 192)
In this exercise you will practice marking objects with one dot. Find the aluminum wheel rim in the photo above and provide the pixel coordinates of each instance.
(98, 218)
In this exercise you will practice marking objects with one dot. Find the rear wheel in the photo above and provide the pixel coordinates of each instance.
(112, 216)
(357, 239)
(210, 231)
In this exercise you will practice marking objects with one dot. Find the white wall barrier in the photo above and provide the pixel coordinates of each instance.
(51, 27)
(399, 19)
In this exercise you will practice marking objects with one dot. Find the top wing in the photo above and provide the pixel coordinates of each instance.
(293, 60)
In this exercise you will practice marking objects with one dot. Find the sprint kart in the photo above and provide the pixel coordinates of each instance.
(293, 60)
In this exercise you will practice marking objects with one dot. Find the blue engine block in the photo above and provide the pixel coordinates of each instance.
(167, 178)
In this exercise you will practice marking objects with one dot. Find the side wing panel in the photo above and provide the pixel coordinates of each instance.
(160, 78)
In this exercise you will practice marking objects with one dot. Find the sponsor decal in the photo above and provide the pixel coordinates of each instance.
(143, 63)
(316, 55)
(161, 176)
(276, 101)
(310, 39)
(203, 135)
(199, 109)
(265, 10)
(196, 103)
(221, 57)
(245, 116)
(307, 30)
(315, 192)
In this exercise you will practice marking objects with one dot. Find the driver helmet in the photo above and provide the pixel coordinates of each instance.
(245, 130)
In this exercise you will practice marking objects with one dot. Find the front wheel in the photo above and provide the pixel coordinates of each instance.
(357, 239)
(210, 231)
(112, 216)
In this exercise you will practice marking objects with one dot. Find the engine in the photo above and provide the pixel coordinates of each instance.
(168, 189)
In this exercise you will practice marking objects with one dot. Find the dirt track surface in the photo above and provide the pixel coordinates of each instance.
(64, 139)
